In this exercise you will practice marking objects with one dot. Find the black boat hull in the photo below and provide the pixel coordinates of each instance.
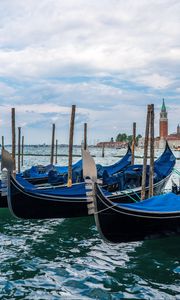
(117, 225)
(43, 180)
(3, 201)
(3, 198)
(29, 205)
(117, 197)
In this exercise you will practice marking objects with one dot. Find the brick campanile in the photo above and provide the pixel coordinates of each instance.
(178, 130)
(163, 122)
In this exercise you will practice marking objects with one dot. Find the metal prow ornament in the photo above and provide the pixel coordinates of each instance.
(90, 177)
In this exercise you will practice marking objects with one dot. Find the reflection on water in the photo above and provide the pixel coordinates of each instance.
(66, 259)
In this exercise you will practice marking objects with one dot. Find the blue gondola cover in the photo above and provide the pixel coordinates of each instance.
(163, 203)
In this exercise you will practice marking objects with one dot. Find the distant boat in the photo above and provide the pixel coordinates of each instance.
(177, 149)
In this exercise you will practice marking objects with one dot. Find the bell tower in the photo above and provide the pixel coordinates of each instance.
(178, 130)
(163, 122)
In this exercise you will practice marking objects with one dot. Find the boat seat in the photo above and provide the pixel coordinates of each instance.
(133, 178)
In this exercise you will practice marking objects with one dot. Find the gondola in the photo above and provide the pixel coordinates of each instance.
(39, 174)
(155, 217)
(129, 185)
(30, 202)
(158, 216)
(117, 167)
(57, 175)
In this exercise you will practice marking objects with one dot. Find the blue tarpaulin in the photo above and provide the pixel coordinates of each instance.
(117, 167)
(132, 176)
(76, 190)
(64, 169)
(59, 173)
(37, 171)
(163, 203)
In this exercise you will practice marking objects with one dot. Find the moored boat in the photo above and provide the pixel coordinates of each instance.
(155, 217)
(158, 216)
(27, 201)
(58, 174)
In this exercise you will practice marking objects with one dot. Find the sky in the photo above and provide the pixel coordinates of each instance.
(110, 58)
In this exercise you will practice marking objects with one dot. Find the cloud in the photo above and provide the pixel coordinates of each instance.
(111, 58)
(155, 81)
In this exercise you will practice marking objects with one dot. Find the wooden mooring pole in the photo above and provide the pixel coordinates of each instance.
(56, 152)
(151, 171)
(19, 149)
(3, 142)
(71, 133)
(146, 141)
(13, 137)
(103, 150)
(133, 143)
(85, 136)
(22, 151)
(52, 144)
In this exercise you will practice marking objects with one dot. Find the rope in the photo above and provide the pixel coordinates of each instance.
(136, 195)
(108, 207)
(176, 171)
(129, 196)
(98, 212)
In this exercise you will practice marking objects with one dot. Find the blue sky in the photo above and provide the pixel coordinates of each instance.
(110, 58)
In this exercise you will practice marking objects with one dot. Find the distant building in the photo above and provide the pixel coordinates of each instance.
(112, 144)
(163, 122)
(112, 140)
(163, 127)
(173, 138)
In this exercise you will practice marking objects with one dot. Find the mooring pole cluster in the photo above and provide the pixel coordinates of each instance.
(149, 139)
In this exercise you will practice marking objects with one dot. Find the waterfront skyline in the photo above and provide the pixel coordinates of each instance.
(109, 58)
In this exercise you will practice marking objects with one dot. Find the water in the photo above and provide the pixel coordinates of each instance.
(66, 259)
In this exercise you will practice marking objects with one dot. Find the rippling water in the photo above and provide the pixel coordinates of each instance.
(66, 259)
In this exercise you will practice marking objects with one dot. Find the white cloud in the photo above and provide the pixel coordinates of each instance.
(155, 81)
(46, 39)
(6, 90)
(97, 54)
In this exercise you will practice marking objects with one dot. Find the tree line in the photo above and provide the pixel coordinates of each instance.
(123, 137)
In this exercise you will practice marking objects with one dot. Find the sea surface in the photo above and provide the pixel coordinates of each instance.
(67, 259)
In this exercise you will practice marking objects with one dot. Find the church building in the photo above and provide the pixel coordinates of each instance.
(174, 138)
